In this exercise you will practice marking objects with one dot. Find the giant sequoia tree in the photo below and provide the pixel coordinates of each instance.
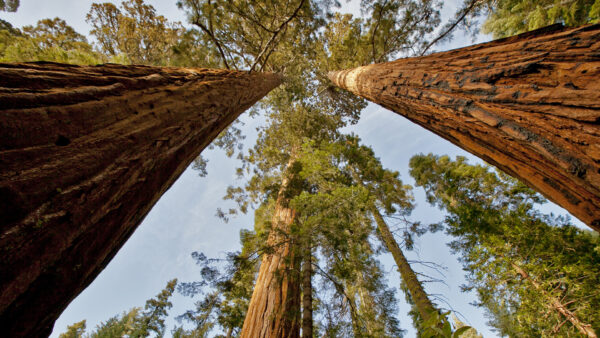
(83, 159)
(289, 37)
(527, 104)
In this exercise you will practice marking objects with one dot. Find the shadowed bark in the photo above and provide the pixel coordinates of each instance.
(307, 290)
(85, 152)
(528, 104)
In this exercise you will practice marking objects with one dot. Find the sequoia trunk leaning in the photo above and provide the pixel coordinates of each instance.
(528, 104)
(85, 152)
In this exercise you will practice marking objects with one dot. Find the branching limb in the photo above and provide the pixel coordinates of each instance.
(463, 15)
(281, 27)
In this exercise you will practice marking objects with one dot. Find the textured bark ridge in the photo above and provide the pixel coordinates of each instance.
(274, 309)
(85, 152)
(307, 290)
(529, 104)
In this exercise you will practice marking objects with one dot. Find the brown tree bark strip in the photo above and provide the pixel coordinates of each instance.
(555, 304)
(85, 152)
(274, 308)
(307, 300)
(529, 104)
(417, 293)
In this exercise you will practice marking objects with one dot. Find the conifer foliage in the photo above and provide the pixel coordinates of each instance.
(535, 274)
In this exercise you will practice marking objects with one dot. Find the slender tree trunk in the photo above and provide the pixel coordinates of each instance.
(307, 305)
(417, 293)
(366, 308)
(274, 308)
(529, 104)
(354, 316)
(85, 152)
(557, 305)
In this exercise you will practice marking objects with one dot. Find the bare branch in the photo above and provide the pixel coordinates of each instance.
(281, 27)
(209, 32)
(467, 10)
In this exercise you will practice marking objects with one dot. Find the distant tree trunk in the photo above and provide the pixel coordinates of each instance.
(557, 305)
(307, 304)
(529, 104)
(417, 293)
(85, 152)
(274, 309)
(350, 297)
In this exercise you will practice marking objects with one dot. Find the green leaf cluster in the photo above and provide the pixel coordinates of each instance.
(510, 17)
(9, 5)
(504, 18)
(133, 323)
(50, 40)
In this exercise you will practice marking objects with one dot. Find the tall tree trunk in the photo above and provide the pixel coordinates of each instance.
(557, 305)
(274, 309)
(417, 293)
(529, 104)
(85, 152)
(350, 296)
(307, 301)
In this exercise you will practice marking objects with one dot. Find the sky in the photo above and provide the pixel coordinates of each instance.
(184, 218)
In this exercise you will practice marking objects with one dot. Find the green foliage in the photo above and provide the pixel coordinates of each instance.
(118, 326)
(439, 326)
(134, 323)
(153, 318)
(510, 17)
(499, 233)
(50, 40)
(135, 32)
(74, 331)
(227, 289)
(9, 5)
(463, 330)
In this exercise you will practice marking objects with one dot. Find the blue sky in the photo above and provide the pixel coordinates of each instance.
(184, 219)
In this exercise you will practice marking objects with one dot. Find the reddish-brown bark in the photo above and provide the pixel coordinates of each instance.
(529, 104)
(307, 301)
(85, 152)
(274, 309)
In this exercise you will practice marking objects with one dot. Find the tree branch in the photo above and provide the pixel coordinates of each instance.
(264, 50)
(467, 10)
(209, 32)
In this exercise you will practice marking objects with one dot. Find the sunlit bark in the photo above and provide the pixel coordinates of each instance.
(529, 104)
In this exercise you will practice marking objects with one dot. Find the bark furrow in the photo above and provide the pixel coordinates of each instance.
(85, 152)
(529, 104)
(274, 309)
